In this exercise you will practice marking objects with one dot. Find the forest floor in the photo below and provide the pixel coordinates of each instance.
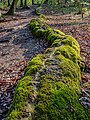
(18, 46)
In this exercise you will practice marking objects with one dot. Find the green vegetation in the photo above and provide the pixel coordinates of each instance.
(58, 100)
(68, 52)
(64, 7)
(34, 65)
(22, 93)
(69, 40)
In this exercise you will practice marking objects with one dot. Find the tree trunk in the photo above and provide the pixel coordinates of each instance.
(46, 2)
(12, 7)
(79, 6)
(25, 3)
(32, 2)
(21, 3)
(65, 2)
(58, 2)
(8, 2)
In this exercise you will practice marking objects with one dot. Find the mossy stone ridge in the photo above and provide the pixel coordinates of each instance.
(50, 89)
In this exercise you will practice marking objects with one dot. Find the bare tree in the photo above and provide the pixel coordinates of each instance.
(79, 6)
(25, 4)
(12, 7)
(8, 2)
(21, 3)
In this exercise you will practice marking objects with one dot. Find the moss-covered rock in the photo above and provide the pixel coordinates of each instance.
(52, 37)
(39, 32)
(50, 89)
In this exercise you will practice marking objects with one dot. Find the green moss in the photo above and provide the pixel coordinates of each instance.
(69, 40)
(68, 52)
(39, 32)
(59, 32)
(54, 34)
(14, 115)
(33, 24)
(70, 68)
(42, 16)
(59, 77)
(67, 103)
(35, 29)
(22, 92)
(58, 101)
(56, 43)
(52, 37)
(34, 65)
(48, 31)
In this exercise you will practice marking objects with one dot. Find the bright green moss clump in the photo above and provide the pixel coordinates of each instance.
(52, 37)
(41, 29)
(59, 32)
(39, 32)
(68, 52)
(33, 24)
(22, 93)
(34, 65)
(58, 100)
(69, 40)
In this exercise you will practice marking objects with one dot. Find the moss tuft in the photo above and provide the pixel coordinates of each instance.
(35, 29)
(58, 101)
(56, 43)
(59, 32)
(68, 52)
(69, 40)
(33, 24)
(34, 65)
(52, 37)
(22, 93)
(48, 31)
(39, 32)
(42, 18)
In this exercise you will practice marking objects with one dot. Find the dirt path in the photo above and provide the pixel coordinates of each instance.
(17, 46)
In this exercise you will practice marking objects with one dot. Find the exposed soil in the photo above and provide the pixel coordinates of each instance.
(17, 46)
